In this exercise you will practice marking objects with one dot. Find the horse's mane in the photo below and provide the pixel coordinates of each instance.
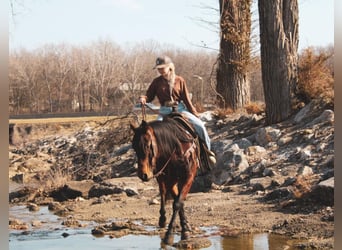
(169, 135)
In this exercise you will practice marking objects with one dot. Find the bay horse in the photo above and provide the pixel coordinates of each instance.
(167, 152)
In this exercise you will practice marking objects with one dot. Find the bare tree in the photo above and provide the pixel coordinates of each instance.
(234, 57)
(105, 57)
(79, 68)
(279, 45)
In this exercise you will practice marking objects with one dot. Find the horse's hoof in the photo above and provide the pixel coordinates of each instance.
(185, 235)
(168, 240)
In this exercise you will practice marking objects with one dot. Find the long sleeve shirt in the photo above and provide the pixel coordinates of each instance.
(160, 88)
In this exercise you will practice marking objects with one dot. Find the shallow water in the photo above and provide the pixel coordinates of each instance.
(49, 237)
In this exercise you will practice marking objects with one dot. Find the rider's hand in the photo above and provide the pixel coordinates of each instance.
(142, 99)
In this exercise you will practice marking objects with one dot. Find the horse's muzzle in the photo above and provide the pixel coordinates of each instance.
(145, 176)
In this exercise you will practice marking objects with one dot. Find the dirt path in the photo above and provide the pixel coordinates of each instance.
(230, 210)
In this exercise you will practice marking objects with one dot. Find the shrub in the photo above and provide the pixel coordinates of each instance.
(222, 113)
(315, 76)
(255, 108)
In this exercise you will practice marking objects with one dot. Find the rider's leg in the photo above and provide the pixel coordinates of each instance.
(199, 127)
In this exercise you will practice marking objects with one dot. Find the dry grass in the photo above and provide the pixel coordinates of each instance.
(222, 113)
(316, 77)
(303, 185)
(56, 177)
(255, 108)
(61, 120)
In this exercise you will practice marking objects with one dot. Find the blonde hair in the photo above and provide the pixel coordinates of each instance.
(172, 76)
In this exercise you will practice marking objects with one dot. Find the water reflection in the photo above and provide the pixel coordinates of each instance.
(85, 241)
(49, 237)
(258, 242)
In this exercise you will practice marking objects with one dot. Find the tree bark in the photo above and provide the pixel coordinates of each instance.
(232, 74)
(279, 45)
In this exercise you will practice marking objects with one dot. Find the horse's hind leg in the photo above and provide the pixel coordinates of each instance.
(186, 185)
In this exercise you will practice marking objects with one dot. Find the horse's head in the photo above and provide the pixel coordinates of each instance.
(144, 144)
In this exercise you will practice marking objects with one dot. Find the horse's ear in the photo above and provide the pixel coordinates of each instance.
(133, 126)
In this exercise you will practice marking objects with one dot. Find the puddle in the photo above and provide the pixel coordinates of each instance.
(49, 236)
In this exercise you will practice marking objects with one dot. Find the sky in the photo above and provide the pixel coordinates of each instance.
(180, 23)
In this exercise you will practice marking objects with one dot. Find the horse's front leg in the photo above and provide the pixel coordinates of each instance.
(168, 239)
(186, 229)
(162, 211)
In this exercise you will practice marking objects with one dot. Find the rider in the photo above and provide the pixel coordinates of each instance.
(171, 90)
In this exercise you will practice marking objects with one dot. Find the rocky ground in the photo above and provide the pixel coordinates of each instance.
(277, 179)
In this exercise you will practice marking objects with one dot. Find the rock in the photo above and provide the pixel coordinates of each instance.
(206, 116)
(64, 193)
(36, 223)
(193, 243)
(284, 140)
(305, 170)
(323, 192)
(82, 186)
(154, 202)
(231, 165)
(98, 190)
(17, 224)
(255, 150)
(23, 194)
(65, 235)
(260, 183)
(266, 135)
(19, 178)
(268, 172)
(71, 222)
(326, 116)
(278, 194)
(55, 206)
(33, 207)
(304, 112)
(131, 192)
(243, 143)
(305, 154)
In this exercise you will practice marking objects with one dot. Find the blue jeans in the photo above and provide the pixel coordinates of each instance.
(195, 121)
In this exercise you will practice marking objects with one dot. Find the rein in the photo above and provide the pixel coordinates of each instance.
(161, 171)
(143, 112)
(186, 153)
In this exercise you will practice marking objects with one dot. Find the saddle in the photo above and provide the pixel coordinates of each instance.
(202, 149)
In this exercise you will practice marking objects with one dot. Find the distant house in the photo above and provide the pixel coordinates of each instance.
(128, 86)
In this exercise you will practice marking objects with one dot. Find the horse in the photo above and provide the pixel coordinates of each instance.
(168, 152)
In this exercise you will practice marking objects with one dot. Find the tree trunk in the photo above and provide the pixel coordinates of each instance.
(232, 76)
(279, 45)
